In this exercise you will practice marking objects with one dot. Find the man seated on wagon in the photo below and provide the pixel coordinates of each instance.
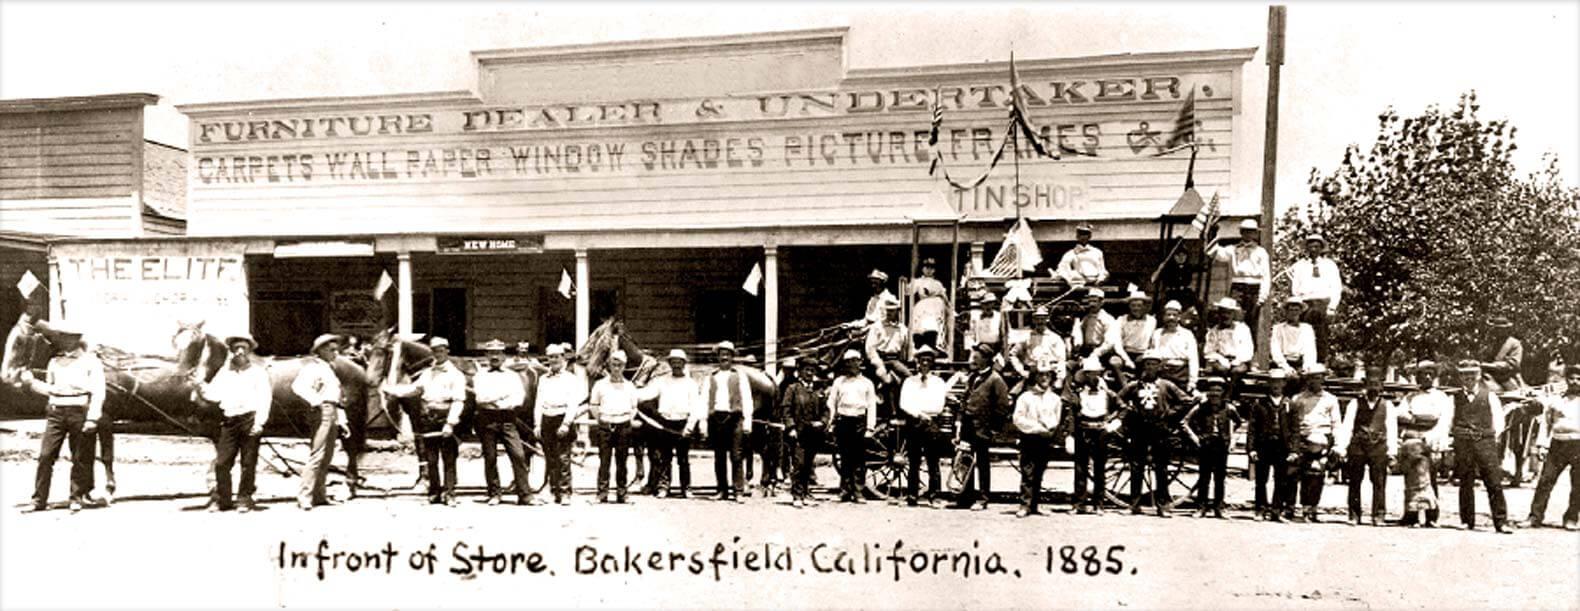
(1293, 345)
(1177, 345)
(1228, 349)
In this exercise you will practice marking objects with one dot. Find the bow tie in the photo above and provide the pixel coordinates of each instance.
(495, 369)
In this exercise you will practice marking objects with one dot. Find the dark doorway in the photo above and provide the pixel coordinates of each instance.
(449, 312)
(287, 321)
(727, 315)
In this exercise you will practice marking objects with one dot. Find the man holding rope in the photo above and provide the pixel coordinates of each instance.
(499, 392)
(75, 387)
(244, 395)
(560, 391)
(317, 384)
(680, 415)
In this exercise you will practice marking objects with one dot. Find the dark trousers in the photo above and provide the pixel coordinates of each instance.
(1033, 464)
(235, 436)
(809, 441)
(977, 433)
(1316, 315)
(1149, 446)
(770, 443)
(1212, 467)
(1091, 457)
(672, 449)
(1561, 455)
(64, 425)
(850, 433)
(439, 453)
(923, 442)
(493, 427)
(612, 451)
(1473, 459)
(725, 437)
(1306, 477)
(1272, 457)
(1372, 462)
(1247, 294)
(557, 455)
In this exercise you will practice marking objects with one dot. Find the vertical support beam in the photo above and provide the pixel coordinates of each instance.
(954, 284)
(976, 256)
(57, 308)
(583, 299)
(1275, 60)
(771, 310)
(403, 292)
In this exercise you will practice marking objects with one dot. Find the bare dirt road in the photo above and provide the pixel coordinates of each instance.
(155, 548)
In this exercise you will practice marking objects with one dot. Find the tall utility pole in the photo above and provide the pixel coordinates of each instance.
(1275, 60)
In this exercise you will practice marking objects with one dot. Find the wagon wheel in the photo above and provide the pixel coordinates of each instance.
(537, 470)
(887, 463)
(1118, 476)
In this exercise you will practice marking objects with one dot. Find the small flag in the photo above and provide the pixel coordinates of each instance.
(1019, 252)
(1184, 124)
(27, 284)
(1206, 217)
(566, 288)
(383, 285)
(1017, 112)
(753, 279)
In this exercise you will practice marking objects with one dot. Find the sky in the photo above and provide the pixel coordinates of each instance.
(1345, 62)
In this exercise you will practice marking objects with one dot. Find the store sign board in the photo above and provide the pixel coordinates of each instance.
(490, 245)
(134, 302)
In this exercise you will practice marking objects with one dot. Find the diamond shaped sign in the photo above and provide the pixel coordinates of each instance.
(28, 284)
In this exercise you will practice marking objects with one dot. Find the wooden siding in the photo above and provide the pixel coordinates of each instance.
(80, 154)
(86, 217)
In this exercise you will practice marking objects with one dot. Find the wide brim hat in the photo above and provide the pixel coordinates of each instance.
(1250, 225)
(848, 355)
(1227, 303)
(1467, 366)
(1294, 301)
(1425, 365)
(493, 345)
(926, 351)
(1277, 374)
(1314, 369)
(878, 275)
(676, 353)
(324, 339)
(231, 341)
(725, 346)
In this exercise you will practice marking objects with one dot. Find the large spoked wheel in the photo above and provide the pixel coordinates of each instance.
(887, 467)
(1119, 476)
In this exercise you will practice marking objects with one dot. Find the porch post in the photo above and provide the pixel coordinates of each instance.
(770, 309)
(403, 305)
(583, 299)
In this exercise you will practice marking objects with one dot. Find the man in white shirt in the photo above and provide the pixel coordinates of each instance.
(728, 396)
(318, 385)
(1038, 414)
(1083, 264)
(1041, 338)
(1315, 280)
(1559, 439)
(244, 394)
(1131, 335)
(1316, 415)
(931, 302)
(680, 413)
(985, 324)
(613, 401)
(922, 401)
(560, 393)
(1369, 440)
(1177, 345)
(880, 294)
(1093, 328)
(854, 402)
(1228, 348)
(499, 392)
(75, 387)
(1293, 344)
(443, 390)
(1475, 422)
(1250, 270)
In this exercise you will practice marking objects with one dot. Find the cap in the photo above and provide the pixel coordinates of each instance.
(493, 345)
(676, 353)
(1091, 366)
(877, 274)
(1315, 369)
(1152, 355)
(1425, 365)
(1468, 365)
(554, 350)
(930, 262)
(1138, 295)
(1316, 237)
(1096, 292)
(618, 355)
(725, 345)
(985, 349)
(1172, 305)
(850, 354)
(439, 342)
(1249, 225)
(1277, 374)
(1040, 311)
(1211, 381)
(320, 341)
(1227, 303)
(989, 298)
(926, 351)
(1295, 301)
(230, 342)
(1499, 322)
(1084, 226)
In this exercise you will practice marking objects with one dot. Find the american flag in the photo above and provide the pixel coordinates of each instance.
(1019, 253)
(1184, 124)
(1206, 217)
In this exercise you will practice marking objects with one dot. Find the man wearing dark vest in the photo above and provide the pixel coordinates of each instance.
(1476, 421)
(1369, 440)
(1271, 428)
(729, 397)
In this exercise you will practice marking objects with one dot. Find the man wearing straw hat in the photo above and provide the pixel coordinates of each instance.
(1083, 264)
(1250, 269)
(613, 401)
(1130, 335)
(1092, 329)
(499, 392)
(560, 393)
(1042, 339)
(1228, 349)
(922, 400)
(1316, 415)
(1475, 422)
(1293, 344)
(985, 323)
(1423, 431)
(854, 402)
(1177, 345)
(75, 387)
(680, 415)
(1314, 279)
(244, 394)
(442, 387)
(1561, 439)
(728, 397)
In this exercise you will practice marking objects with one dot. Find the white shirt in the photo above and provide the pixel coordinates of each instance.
(558, 392)
(1038, 413)
(1560, 419)
(1133, 335)
(1178, 344)
(1290, 341)
(854, 396)
(444, 387)
(679, 397)
(316, 383)
(78, 380)
(498, 389)
(1316, 280)
(927, 312)
(241, 391)
(1234, 344)
(720, 381)
(1083, 265)
(984, 327)
(614, 403)
(923, 396)
(1248, 264)
(1435, 404)
(1096, 403)
(875, 306)
(1093, 329)
(1320, 421)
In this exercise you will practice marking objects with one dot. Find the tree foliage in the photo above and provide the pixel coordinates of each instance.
(1434, 234)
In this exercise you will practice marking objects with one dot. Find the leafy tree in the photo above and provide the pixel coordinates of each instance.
(1434, 234)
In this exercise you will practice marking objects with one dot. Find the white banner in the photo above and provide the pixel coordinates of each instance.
(135, 302)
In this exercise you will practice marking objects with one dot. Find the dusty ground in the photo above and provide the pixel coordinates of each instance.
(155, 548)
